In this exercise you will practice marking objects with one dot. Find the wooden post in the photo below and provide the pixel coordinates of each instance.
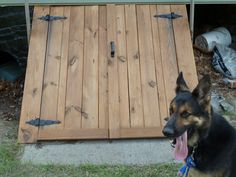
(27, 19)
(192, 6)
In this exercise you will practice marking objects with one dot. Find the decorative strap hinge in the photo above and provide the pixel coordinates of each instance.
(52, 18)
(41, 122)
(169, 16)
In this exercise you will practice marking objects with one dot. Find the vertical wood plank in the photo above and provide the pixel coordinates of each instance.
(122, 67)
(147, 66)
(135, 92)
(52, 68)
(103, 70)
(75, 69)
(168, 52)
(158, 63)
(186, 62)
(90, 74)
(113, 82)
(63, 69)
(31, 103)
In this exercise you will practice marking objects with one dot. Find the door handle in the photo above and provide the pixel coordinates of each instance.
(113, 48)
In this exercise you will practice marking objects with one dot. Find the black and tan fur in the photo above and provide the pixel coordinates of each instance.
(212, 137)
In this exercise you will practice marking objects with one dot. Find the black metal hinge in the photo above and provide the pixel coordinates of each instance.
(41, 122)
(51, 18)
(170, 16)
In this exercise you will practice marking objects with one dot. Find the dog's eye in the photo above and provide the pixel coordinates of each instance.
(185, 114)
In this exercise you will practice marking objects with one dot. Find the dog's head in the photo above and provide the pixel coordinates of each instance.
(189, 110)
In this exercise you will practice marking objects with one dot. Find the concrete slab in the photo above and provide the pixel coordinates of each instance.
(125, 152)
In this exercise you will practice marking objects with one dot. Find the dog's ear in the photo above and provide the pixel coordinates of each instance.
(181, 84)
(203, 91)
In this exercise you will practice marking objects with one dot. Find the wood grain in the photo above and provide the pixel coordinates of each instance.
(141, 132)
(113, 81)
(184, 49)
(133, 58)
(147, 67)
(103, 68)
(75, 69)
(31, 103)
(90, 73)
(122, 67)
(158, 63)
(63, 70)
(52, 69)
(168, 53)
(73, 134)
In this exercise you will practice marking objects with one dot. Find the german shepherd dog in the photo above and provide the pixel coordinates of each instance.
(199, 132)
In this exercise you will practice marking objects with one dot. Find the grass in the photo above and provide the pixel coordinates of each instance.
(10, 166)
(29, 170)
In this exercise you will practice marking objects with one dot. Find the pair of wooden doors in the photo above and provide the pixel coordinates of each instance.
(99, 72)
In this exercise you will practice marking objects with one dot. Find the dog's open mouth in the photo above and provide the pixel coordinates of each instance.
(180, 146)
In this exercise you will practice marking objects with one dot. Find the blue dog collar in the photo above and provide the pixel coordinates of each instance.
(183, 172)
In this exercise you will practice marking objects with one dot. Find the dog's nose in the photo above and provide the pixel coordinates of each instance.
(168, 131)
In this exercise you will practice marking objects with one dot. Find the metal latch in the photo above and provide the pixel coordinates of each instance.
(170, 16)
(51, 18)
(41, 122)
(113, 48)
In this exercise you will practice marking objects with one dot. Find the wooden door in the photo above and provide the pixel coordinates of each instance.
(150, 52)
(65, 66)
(103, 72)
(135, 89)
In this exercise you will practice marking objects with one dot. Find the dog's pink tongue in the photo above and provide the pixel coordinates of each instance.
(181, 148)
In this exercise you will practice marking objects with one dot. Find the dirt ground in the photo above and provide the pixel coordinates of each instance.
(10, 104)
(220, 91)
(203, 64)
(11, 96)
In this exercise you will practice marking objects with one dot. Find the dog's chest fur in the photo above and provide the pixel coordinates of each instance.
(196, 173)
(215, 154)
